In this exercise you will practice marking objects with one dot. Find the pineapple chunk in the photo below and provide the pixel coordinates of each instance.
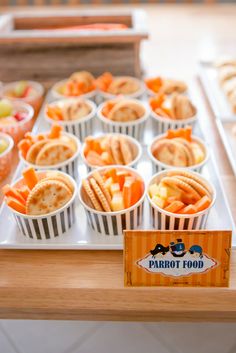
(159, 201)
(198, 152)
(114, 188)
(154, 190)
(117, 202)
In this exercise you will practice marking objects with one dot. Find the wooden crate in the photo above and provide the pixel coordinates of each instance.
(32, 49)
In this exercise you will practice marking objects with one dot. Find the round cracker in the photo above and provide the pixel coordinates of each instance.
(188, 175)
(59, 177)
(100, 195)
(53, 153)
(189, 151)
(34, 151)
(198, 187)
(46, 197)
(177, 153)
(175, 182)
(91, 196)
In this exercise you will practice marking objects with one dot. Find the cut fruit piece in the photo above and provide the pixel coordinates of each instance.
(154, 190)
(16, 205)
(159, 201)
(114, 188)
(5, 108)
(117, 202)
(203, 203)
(175, 206)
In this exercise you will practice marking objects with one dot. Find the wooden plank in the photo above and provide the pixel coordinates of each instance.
(81, 285)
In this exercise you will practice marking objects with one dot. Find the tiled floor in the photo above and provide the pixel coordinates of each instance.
(106, 337)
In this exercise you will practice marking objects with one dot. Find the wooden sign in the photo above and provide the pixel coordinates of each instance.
(177, 258)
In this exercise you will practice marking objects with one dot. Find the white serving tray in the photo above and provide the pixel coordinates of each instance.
(81, 236)
(225, 119)
(215, 94)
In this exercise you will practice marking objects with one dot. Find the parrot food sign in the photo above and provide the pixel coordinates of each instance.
(181, 258)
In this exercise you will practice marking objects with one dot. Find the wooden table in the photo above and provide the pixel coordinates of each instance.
(88, 285)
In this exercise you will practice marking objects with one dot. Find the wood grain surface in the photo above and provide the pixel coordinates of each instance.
(88, 285)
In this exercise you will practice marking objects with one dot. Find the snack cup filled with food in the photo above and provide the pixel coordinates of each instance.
(180, 200)
(53, 150)
(173, 112)
(113, 199)
(110, 149)
(163, 85)
(6, 147)
(124, 116)
(42, 203)
(15, 118)
(109, 87)
(30, 92)
(74, 114)
(178, 149)
(79, 84)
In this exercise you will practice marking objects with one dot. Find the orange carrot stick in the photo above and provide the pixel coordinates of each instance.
(175, 206)
(203, 203)
(24, 145)
(24, 191)
(12, 192)
(16, 205)
(30, 177)
(190, 209)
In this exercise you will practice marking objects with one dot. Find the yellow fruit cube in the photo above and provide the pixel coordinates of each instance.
(159, 201)
(114, 188)
(154, 190)
(117, 202)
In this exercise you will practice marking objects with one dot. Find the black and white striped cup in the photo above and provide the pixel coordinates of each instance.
(57, 95)
(114, 223)
(81, 128)
(51, 225)
(133, 128)
(162, 124)
(69, 166)
(158, 166)
(163, 220)
(137, 149)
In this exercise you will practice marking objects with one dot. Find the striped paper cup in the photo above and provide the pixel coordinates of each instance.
(82, 127)
(136, 95)
(35, 100)
(132, 128)
(137, 148)
(69, 166)
(163, 220)
(158, 166)
(163, 124)
(47, 226)
(6, 156)
(18, 130)
(114, 223)
(57, 95)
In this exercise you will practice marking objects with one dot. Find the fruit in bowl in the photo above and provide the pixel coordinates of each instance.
(181, 192)
(166, 86)
(112, 189)
(178, 148)
(175, 107)
(8, 113)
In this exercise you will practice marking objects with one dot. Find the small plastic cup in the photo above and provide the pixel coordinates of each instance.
(158, 166)
(69, 166)
(132, 128)
(82, 127)
(163, 124)
(57, 95)
(18, 130)
(164, 220)
(114, 223)
(136, 95)
(6, 157)
(136, 146)
(35, 100)
(48, 226)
